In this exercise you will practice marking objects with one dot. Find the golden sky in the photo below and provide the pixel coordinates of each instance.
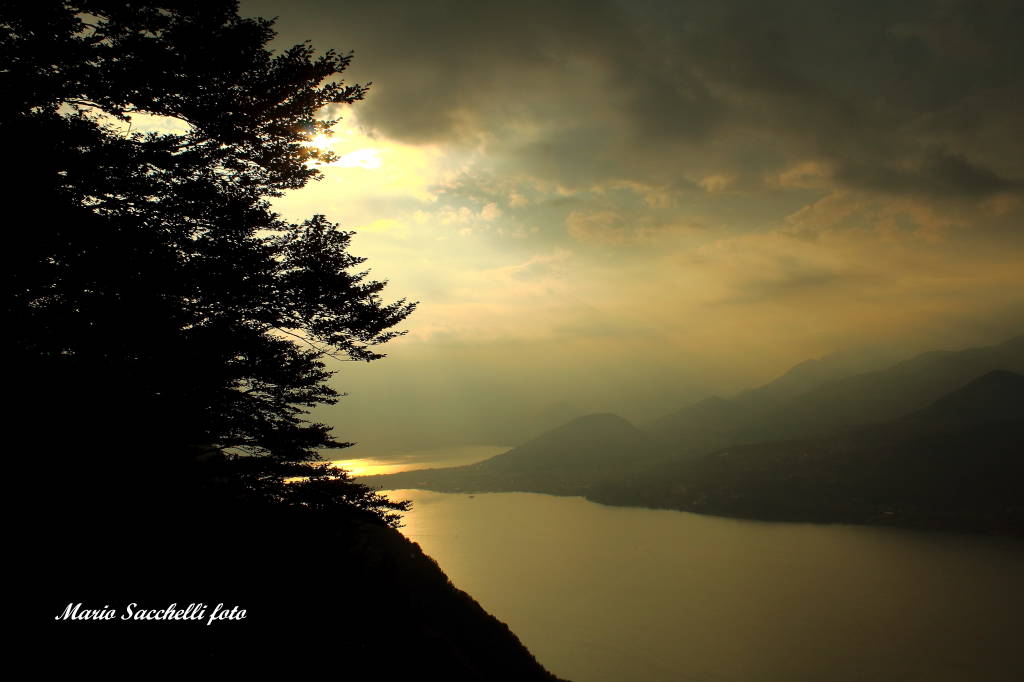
(625, 206)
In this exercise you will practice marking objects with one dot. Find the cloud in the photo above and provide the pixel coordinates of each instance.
(604, 227)
(937, 174)
(598, 89)
(720, 182)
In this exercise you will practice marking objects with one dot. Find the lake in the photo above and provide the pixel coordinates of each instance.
(612, 594)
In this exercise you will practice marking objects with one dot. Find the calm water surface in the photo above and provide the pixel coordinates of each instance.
(613, 594)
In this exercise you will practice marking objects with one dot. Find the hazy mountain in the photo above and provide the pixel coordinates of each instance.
(715, 422)
(890, 393)
(996, 396)
(706, 425)
(818, 397)
(565, 460)
(956, 464)
(813, 373)
(597, 441)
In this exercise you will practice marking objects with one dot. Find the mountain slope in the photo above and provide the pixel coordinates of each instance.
(779, 410)
(703, 426)
(956, 464)
(996, 396)
(810, 374)
(598, 441)
(889, 393)
(716, 422)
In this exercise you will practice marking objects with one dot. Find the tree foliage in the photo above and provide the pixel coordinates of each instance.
(157, 307)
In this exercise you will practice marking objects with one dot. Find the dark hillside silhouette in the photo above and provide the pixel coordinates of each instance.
(327, 593)
(167, 334)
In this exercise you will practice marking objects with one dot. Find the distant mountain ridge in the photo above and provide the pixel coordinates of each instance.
(714, 422)
(895, 391)
(995, 396)
(812, 373)
(882, 446)
(764, 414)
(956, 465)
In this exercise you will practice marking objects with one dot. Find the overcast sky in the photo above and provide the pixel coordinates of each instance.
(624, 206)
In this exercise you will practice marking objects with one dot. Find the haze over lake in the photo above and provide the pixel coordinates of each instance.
(361, 464)
(608, 594)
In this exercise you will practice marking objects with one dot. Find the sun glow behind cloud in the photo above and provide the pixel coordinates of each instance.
(321, 141)
(361, 158)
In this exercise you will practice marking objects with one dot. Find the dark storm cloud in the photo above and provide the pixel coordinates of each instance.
(580, 92)
(937, 174)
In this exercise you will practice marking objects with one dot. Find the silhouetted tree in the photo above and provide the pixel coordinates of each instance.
(157, 309)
